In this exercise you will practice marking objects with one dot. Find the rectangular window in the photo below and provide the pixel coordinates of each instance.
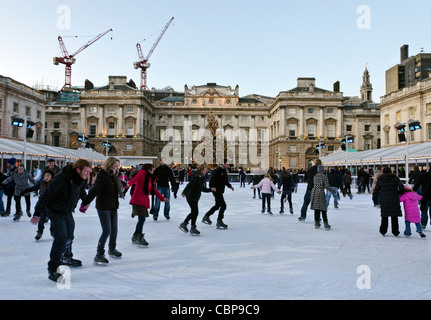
(244, 119)
(292, 148)
(56, 141)
(387, 119)
(367, 127)
(367, 144)
(398, 115)
(130, 128)
(28, 112)
(111, 128)
(330, 110)
(387, 138)
(330, 130)
(311, 129)
(56, 125)
(227, 118)
(15, 107)
(411, 113)
(93, 128)
(349, 127)
(310, 110)
(292, 130)
(161, 134)
(292, 111)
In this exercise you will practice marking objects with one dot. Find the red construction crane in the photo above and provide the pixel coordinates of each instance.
(69, 59)
(143, 61)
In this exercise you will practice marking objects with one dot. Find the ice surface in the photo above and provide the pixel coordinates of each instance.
(259, 257)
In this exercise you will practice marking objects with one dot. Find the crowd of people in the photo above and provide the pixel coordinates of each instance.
(60, 189)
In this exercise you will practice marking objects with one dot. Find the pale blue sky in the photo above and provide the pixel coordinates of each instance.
(263, 46)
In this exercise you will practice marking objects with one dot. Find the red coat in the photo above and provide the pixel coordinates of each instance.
(138, 196)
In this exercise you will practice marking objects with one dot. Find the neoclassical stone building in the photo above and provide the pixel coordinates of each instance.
(288, 126)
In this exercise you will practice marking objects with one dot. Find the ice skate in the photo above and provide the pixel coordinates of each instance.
(100, 259)
(221, 225)
(194, 231)
(183, 227)
(114, 253)
(206, 220)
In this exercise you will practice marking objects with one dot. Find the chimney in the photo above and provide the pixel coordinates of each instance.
(404, 52)
(337, 86)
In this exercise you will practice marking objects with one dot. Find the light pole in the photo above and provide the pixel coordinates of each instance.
(107, 144)
(27, 124)
(412, 125)
(319, 148)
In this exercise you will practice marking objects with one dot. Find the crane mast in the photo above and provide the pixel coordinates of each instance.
(69, 59)
(143, 61)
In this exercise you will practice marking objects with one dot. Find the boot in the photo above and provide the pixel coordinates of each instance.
(39, 234)
(135, 237)
(141, 240)
(183, 227)
(326, 225)
(114, 253)
(100, 258)
(221, 225)
(194, 231)
(206, 220)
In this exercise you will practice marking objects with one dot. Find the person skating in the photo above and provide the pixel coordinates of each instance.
(411, 210)
(192, 192)
(267, 186)
(21, 179)
(163, 176)
(9, 189)
(309, 176)
(218, 182)
(318, 198)
(107, 189)
(288, 185)
(390, 187)
(335, 183)
(41, 187)
(140, 201)
(60, 200)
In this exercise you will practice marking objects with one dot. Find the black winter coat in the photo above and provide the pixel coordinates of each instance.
(219, 180)
(164, 174)
(424, 180)
(195, 187)
(63, 193)
(287, 183)
(309, 177)
(105, 191)
(390, 187)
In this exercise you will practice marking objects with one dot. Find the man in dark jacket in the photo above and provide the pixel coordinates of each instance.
(390, 187)
(163, 175)
(9, 189)
(60, 200)
(218, 182)
(423, 184)
(309, 176)
(335, 183)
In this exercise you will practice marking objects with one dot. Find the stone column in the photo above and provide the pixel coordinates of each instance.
(283, 122)
(120, 120)
(301, 132)
(321, 122)
(101, 126)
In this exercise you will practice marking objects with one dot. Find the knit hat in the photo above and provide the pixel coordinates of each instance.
(11, 161)
(320, 168)
(50, 159)
(387, 170)
(408, 187)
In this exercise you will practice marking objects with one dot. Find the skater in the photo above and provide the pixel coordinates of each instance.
(242, 177)
(163, 175)
(60, 200)
(335, 184)
(288, 185)
(347, 181)
(21, 179)
(192, 192)
(411, 210)
(267, 186)
(218, 182)
(9, 189)
(41, 187)
(376, 176)
(255, 180)
(423, 187)
(50, 164)
(140, 201)
(318, 199)
(389, 186)
(107, 189)
(309, 176)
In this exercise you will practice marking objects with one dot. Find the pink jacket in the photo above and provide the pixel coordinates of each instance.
(266, 185)
(411, 208)
(138, 196)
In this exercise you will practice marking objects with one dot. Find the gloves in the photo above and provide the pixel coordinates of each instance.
(34, 220)
(83, 208)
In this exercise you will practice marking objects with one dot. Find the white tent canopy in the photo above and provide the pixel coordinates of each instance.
(419, 154)
(10, 148)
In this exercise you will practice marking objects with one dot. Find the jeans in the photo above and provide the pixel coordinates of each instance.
(329, 194)
(140, 224)
(42, 220)
(167, 194)
(289, 199)
(109, 222)
(307, 199)
(266, 197)
(63, 227)
(219, 204)
(193, 215)
(408, 232)
(1, 200)
(424, 214)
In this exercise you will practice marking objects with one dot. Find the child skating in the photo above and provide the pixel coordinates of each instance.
(411, 210)
(267, 185)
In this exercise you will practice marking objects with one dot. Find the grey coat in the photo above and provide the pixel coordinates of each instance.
(318, 196)
(21, 181)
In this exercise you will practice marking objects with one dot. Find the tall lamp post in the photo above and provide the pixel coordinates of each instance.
(413, 126)
(107, 144)
(345, 145)
(28, 124)
(319, 148)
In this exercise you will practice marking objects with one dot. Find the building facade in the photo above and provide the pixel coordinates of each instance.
(20, 101)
